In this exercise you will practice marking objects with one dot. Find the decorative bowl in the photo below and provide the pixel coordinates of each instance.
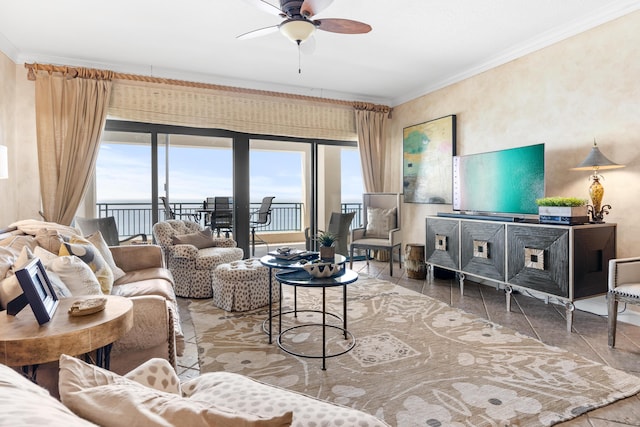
(320, 270)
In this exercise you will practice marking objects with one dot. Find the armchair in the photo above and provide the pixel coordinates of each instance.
(192, 254)
(624, 285)
(107, 227)
(381, 226)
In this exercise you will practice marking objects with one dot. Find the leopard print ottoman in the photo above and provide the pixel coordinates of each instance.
(242, 285)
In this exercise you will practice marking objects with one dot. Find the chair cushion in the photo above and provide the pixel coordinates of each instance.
(380, 221)
(629, 290)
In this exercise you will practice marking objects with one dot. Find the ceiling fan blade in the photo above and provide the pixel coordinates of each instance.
(258, 33)
(313, 7)
(343, 26)
(265, 6)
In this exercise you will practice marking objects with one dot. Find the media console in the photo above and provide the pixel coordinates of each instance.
(558, 262)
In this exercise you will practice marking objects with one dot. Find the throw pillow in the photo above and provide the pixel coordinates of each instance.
(10, 289)
(77, 275)
(379, 222)
(61, 290)
(7, 259)
(107, 399)
(88, 253)
(201, 239)
(49, 240)
(98, 241)
(24, 403)
(158, 374)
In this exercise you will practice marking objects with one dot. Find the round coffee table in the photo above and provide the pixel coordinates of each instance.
(300, 278)
(25, 343)
(274, 262)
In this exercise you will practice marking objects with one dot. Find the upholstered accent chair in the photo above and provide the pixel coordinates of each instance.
(381, 226)
(192, 254)
(624, 286)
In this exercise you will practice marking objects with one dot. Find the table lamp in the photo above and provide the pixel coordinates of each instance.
(596, 161)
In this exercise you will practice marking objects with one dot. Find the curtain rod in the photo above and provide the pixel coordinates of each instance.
(83, 72)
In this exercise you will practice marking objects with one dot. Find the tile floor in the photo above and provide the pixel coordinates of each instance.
(530, 316)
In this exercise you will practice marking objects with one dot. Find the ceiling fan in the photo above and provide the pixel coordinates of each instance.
(299, 24)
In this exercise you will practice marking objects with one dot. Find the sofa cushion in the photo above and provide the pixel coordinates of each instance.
(380, 221)
(24, 403)
(109, 399)
(145, 274)
(98, 241)
(88, 253)
(158, 374)
(200, 239)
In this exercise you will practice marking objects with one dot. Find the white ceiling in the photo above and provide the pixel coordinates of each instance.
(416, 46)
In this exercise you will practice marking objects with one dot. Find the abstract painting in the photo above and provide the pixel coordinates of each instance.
(428, 150)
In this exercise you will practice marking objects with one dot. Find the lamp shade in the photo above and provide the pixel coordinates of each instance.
(297, 30)
(4, 162)
(596, 161)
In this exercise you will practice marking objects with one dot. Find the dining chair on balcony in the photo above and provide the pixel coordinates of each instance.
(171, 214)
(222, 215)
(260, 218)
(107, 227)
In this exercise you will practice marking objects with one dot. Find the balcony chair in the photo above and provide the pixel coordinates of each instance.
(192, 254)
(381, 226)
(260, 218)
(222, 215)
(339, 224)
(107, 227)
(171, 214)
(624, 286)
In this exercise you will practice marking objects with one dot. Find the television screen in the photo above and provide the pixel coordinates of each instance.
(505, 181)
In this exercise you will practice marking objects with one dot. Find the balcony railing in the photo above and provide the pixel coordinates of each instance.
(134, 218)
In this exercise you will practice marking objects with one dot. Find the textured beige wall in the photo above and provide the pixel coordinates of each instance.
(564, 95)
(20, 194)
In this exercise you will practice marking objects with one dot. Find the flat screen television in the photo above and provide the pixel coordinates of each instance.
(499, 182)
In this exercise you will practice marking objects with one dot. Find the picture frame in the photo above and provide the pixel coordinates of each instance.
(37, 290)
(428, 150)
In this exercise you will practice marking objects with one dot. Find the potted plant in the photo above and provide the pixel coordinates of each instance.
(327, 248)
(562, 210)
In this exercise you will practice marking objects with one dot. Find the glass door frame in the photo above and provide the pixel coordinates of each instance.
(241, 170)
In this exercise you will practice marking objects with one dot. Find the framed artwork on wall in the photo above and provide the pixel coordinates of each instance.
(428, 150)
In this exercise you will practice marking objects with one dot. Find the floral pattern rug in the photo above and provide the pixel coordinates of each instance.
(416, 362)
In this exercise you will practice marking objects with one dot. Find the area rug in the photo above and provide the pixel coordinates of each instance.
(417, 361)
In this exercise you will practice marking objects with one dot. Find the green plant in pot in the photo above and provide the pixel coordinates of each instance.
(562, 210)
(327, 249)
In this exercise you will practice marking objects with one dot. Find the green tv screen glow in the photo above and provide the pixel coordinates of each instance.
(505, 181)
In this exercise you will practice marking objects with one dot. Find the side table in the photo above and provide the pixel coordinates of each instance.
(25, 343)
(300, 278)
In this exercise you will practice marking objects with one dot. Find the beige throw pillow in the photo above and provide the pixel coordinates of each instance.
(379, 222)
(98, 241)
(75, 274)
(88, 253)
(201, 239)
(108, 399)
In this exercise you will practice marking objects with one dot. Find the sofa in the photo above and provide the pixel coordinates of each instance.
(137, 272)
(192, 255)
(152, 395)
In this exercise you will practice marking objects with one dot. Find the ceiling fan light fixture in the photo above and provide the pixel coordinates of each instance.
(297, 30)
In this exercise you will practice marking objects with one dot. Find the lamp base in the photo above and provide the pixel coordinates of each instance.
(597, 217)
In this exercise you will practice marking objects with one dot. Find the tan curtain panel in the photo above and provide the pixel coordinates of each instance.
(241, 110)
(71, 109)
(371, 131)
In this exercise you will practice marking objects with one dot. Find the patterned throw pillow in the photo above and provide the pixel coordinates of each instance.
(107, 399)
(88, 253)
(98, 241)
(380, 221)
(158, 374)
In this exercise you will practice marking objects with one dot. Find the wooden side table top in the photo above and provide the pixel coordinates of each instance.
(24, 342)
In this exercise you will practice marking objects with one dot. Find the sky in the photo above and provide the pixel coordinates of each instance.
(197, 173)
